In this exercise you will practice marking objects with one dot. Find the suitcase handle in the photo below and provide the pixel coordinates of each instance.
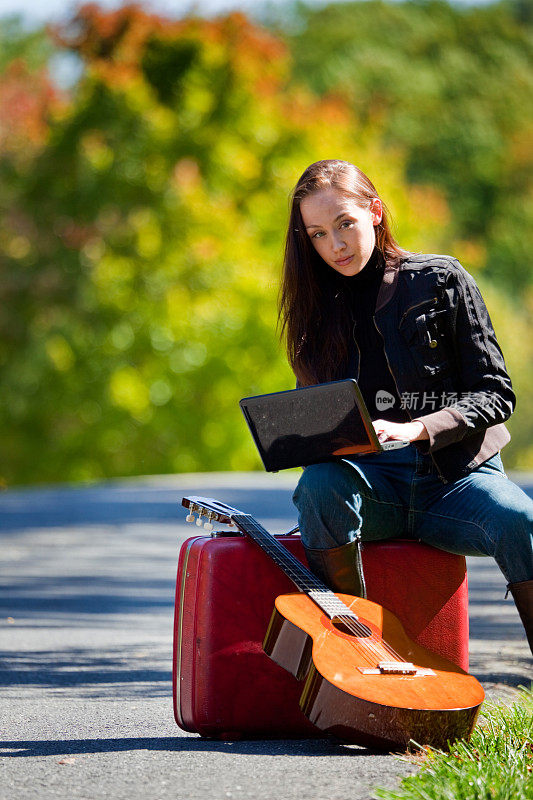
(292, 530)
(229, 533)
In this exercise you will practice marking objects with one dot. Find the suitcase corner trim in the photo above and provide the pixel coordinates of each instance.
(178, 630)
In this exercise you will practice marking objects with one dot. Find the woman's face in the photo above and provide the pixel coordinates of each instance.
(342, 232)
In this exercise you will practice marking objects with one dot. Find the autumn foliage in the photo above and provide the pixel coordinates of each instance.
(141, 233)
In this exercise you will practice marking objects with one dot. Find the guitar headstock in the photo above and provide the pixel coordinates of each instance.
(209, 508)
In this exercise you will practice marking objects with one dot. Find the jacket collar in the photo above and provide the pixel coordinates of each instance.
(388, 285)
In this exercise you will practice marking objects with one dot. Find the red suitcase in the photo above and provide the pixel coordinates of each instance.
(225, 686)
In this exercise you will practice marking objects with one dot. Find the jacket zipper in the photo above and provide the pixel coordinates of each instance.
(421, 303)
(358, 352)
(441, 476)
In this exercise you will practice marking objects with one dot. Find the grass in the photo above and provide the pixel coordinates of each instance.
(495, 764)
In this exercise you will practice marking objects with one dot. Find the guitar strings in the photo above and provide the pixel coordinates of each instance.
(371, 647)
(356, 644)
(371, 643)
(370, 653)
(297, 570)
(355, 628)
(292, 565)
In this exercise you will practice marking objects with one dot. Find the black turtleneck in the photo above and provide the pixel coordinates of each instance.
(359, 292)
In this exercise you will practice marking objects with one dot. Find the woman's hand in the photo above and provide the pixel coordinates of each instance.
(408, 431)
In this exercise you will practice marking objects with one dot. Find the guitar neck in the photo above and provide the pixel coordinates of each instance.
(303, 578)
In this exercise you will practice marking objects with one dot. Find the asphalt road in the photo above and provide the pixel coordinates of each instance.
(86, 608)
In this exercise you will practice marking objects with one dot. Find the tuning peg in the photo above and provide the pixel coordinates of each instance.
(199, 522)
(190, 516)
(208, 526)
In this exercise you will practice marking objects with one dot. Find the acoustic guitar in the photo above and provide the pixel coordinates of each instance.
(364, 680)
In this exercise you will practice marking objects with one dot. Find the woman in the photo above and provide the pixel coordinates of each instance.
(414, 331)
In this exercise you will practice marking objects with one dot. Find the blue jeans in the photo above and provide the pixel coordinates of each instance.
(398, 493)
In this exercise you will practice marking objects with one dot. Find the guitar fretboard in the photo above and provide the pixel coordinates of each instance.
(303, 578)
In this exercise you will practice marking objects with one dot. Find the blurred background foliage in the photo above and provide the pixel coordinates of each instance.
(142, 210)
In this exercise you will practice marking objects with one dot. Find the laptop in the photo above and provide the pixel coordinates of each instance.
(315, 423)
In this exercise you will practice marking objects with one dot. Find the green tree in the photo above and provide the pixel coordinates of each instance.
(453, 87)
(141, 239)
(142, 243)
(33, 47)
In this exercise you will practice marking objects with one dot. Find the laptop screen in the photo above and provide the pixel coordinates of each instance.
(304, 426)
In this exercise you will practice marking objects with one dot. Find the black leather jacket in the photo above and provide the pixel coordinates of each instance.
(441, 348)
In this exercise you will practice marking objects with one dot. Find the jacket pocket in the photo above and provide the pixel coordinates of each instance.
(425, 336)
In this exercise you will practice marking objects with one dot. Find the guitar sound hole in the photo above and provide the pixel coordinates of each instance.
(351, 627)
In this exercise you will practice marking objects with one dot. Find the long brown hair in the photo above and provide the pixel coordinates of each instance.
(317, 328)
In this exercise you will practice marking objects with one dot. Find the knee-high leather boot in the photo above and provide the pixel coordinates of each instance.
(523, 598)
(340, 568)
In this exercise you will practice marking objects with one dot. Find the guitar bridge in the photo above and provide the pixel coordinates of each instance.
(396, 668)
